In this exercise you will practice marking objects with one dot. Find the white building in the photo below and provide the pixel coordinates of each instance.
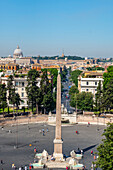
(89, 82)
(20, 85)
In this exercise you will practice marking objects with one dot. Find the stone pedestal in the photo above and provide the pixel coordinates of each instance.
(58, 150)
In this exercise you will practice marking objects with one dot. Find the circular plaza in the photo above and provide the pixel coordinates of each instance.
(17, 142)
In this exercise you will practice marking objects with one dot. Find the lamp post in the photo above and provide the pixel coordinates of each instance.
(16, 121)
(17, 133)
(97, 123)
(76, 102)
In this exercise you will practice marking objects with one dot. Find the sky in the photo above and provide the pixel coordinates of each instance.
(49, 27)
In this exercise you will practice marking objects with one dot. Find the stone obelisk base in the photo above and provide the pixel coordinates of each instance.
(58, 150)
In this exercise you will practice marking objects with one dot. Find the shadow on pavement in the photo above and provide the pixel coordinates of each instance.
(90, 147)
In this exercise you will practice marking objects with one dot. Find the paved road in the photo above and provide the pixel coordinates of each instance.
(87, 139)
(65, 101)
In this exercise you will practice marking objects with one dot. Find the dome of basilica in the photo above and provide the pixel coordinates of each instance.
(18, 52)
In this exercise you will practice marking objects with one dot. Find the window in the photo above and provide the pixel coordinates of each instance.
(22, 102)
(16, 83)
(22, 89)
(95, 83)
(87, 89)
(22, 84)
(87, 83)
(22, 94)
(95, 89)
(16, 89)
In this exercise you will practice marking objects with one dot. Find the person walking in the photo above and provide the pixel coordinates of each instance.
(34, 150)
(82, 152)
(25, 168)
(91, 152)
(1, 162)
(94, 157)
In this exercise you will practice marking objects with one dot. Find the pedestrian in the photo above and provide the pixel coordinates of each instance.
(94, 157)
(81, 151)
(13, 166)
(20, 168)
(42, 130)
(9, 131)
(34, 150)
(91, 152)
(25, 167)
(66, 167)
(29, 166)
(76, 132)
(78, 149)
(47, 130)
(1, 162)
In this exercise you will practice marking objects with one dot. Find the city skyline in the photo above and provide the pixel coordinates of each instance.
(46, 27)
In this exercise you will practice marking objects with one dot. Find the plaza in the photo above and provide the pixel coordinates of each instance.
(26, 138)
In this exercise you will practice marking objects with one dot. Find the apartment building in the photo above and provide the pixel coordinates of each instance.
(20, 85)
(89, 82)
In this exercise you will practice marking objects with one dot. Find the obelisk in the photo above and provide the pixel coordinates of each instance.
(58, 140)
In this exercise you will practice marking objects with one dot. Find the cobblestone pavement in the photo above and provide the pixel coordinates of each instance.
(87, 139)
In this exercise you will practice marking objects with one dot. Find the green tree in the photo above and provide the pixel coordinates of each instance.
(54, 73)
(73, 90)
(84, 101)
(32, 89)
(17, 100)
(46, 89)
(108, 95)
(38, 99)
(107, 76)
(11, 91)
(13, 97)
(99, 97)
(74, 76)
(3, 98)
(105, 150)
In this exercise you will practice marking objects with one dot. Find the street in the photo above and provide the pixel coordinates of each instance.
(66, 101)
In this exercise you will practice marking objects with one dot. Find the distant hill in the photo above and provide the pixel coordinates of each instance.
(54, 57)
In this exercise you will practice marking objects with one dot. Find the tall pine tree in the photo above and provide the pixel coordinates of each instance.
(32, 88)
(3, 96)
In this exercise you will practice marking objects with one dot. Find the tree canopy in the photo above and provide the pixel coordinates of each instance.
(3, 98)
(84, 101)
(32, 89)
(73, 90)
(74, 76)
(108, 76)
(105, 150)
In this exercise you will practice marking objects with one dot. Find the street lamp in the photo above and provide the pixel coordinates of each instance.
(97, 123)
(16, 120)
(76, 102)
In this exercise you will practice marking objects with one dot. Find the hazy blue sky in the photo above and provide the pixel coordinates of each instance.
(46, 27)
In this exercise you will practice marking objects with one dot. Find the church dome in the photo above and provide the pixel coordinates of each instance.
(18, 52)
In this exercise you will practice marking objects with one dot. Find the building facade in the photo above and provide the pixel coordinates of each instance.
(89, 83)
(20, 87)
